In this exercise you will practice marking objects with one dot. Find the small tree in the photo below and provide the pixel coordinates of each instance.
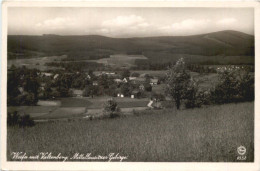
(125, 73)
(26, 121)
(111, 108)
(177, 81)
(147, 87)
(135, 74)
(14, 119)
(126, 89)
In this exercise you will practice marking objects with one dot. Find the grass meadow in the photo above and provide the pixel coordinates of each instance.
(207, 134)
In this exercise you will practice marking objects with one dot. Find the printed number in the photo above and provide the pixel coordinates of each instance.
(241, 157)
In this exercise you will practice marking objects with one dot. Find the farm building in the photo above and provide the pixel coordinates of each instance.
(99, 73)
(150, 104)
(138, 80)
(143, 75)
(125, 80)
(95, 83)
(132, 78)
(47, 74)
(120, 95)
(141, 87)
(118, 80)
(56, 76)
(154, 81)
(88, 76)
(77, 93)
(109, 73)
(42, 85)
(21, 90)
(135, 94)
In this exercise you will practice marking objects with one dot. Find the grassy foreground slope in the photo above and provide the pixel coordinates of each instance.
(207, 134)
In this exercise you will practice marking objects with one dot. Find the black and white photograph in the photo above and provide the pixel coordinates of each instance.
(130, 84)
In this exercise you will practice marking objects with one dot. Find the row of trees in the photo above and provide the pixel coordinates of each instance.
(77, 66)
(201, 68)
(22, 86)
(26, 86)
(235, 84)
(143, 64)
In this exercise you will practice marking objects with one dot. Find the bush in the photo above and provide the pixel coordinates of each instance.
(111, 109)
(14, 119)
(197, 98)
(135, 74)
(147, 87)
(191, 94)
(235, 85)
(125, 74)
(25, 121)
(168, 104)
(126, 89)
(158, 97)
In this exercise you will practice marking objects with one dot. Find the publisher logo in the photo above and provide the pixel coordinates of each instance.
(241, 150)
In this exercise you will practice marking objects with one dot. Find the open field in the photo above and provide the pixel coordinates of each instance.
(77, 107)
(38, 62)
(65, 112)
(206, 134)
(33, 111)
(160, 73)
(119, 60)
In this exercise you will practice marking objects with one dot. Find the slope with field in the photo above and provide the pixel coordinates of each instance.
(207, 134)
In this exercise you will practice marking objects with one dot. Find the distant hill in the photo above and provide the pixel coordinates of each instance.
(223, 43)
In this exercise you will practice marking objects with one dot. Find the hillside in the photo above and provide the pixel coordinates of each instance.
(197, 135)
(225, 43)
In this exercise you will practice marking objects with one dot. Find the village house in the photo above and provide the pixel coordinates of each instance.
(135, 94)
(47, 74)
(42, 85)
(125, 80)
(143, 75)
(95, 83)
(56, 76)
(120, 95)
(154, 81)
(117, 80)
(88, 77)
(109, 73)
(138, 80)
(21, 90)
(77, 93)
(132, 78)
(105, 73)
(141, 87)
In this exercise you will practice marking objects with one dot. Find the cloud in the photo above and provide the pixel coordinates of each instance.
(56, 23)
(134, 25)
(226, 21)
(124, 25)
(186, 26)
(123, 21)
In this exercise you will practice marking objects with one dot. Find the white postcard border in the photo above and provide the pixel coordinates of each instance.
(8, 165)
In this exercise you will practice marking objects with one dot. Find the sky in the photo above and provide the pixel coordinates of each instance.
(127, 22)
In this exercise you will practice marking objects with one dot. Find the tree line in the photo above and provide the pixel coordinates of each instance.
(235, 84)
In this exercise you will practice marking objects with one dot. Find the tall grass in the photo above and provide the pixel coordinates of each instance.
(206, 134)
